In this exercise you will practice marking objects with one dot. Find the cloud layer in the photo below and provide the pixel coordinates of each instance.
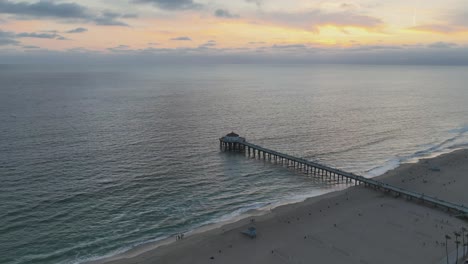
(313, 19)
(64, 11)
(431, 54)
(171, 4)
(250, 29)
(44, 9)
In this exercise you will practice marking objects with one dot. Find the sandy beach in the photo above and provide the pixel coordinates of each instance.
(356, 225)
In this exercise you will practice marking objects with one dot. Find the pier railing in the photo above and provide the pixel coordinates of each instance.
(239, 144)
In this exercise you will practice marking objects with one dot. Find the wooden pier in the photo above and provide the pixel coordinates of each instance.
(235, 143)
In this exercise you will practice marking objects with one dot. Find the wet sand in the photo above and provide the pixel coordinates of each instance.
(356, 225)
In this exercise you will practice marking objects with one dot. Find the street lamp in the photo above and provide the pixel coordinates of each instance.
(456, 243)
(463, 237)
(467, 244)
(447, 237)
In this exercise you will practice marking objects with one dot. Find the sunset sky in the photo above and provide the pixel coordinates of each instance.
(294, 28)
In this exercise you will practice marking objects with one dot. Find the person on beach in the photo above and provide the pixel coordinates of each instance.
(179, 236)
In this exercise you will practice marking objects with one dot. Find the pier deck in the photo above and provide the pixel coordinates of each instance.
(232, 142)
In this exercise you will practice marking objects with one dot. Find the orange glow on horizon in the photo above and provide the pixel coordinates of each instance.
(247, 33)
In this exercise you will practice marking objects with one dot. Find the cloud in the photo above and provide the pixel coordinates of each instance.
(11, 38)
(313, 19)
(280, 53)
(223, 13)
(289, 46)
(347, 6)
(120, 48)
(44, 9)
(40, 35)
(77, 30)
(181, 39)
(63, 11)
(81, 50)
(171, 4)
(257, 2)
(31, 47)
(108, 18)
(208, 44)
(442, 45)
(130, 16)
(376, 48)
(8, 38)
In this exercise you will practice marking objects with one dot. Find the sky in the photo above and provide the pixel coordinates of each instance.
(367, 31)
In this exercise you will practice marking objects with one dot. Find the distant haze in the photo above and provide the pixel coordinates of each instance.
(422, 55)
(239, 31)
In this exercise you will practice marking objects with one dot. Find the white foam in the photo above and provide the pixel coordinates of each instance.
(459, 141)
(460, 130)
(115, 253)
(377, 171)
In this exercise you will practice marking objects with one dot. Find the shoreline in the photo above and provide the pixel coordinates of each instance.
(212, 228)
(204, 229)
(260, 215)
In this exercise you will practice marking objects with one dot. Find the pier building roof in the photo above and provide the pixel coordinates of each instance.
(232, 137)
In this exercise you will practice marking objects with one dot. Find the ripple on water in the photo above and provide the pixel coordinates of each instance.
(95, 164)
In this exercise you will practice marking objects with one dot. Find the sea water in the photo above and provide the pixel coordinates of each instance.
(95, 160)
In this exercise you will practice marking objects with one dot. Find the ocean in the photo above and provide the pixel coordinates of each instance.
(97, 159)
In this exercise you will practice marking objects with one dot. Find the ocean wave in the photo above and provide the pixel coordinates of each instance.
(353, 147)
(431, 150)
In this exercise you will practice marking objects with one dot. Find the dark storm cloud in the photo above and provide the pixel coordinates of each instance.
(64, 11)
(171, 4)
(77, 30)
(181, 39)
(223, 13)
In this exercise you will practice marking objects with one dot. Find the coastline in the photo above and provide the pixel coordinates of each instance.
(221, 240)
